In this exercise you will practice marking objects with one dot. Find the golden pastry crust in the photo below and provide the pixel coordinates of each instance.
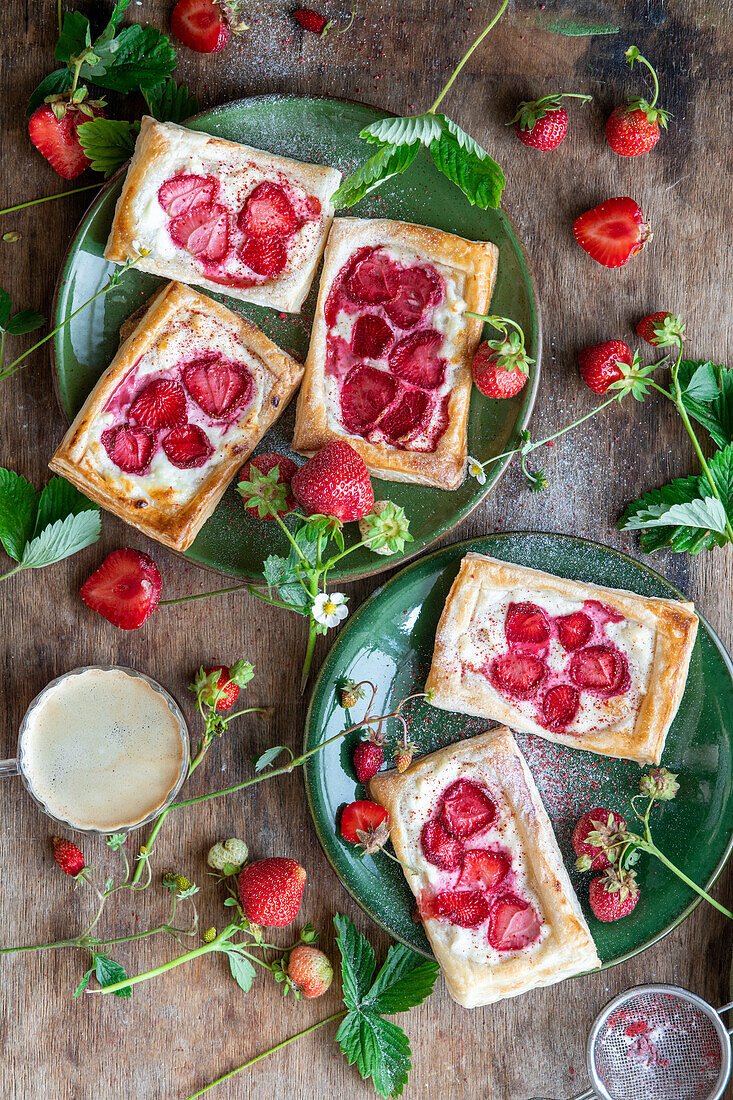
(566, 947)
(639, 733)
(474, 261)
(155, 511)
(164, 148)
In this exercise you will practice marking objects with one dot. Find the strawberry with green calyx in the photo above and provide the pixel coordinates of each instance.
(311, 20)
(53, 130)
(597, 834)
(369, 755)
(386, 529)
(660, 784)
(69, 858)
(543, 123)
(351, 693)
(228, 856)
(633, 129)
(662, 329)
(309, 970)
(501, 367)
(365, 824)
(614, 894)
(404, 751)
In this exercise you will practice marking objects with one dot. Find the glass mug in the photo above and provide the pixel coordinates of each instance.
(19, 765)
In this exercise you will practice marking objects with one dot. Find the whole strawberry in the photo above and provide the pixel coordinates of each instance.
(613, 895)
(599, 364)
(335, 482)
(661, 329)
(351, 693)
(368, 759)
(310, 20)
(543, 123)
(501, 367)
(309, 970)
(633, 129)
(68, 856)
(403, 757)
(594, 837)
(270, 891)
(229, 690)
(53, 130)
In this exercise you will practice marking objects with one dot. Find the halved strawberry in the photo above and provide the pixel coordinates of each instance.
(365, 393)
(187, 446)
(613, 232)
(439, 847)
(130, 448)
(410, 412)
(371, 336)
(466, 809)
(362, 816)
(600, 668)
(203, 231)
(264, 255)
(200, 25)
(263, 464)
(483, 870)
(184, 191)
(514, 924)
(560, 705)
(526, 624)
(518, 674)
(56, 137)
(125, 589)
(420, 287)
(467, 908)
(415, 358)
(268, 212)
(373, 280)
(218, 386)
(574, 630)
(162, 404)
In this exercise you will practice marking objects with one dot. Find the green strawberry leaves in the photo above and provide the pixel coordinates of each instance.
(15, 324)
(109, 143)
(170, 102)
(38, 529)
(378, 1048)
(107, 972)
(390, 160)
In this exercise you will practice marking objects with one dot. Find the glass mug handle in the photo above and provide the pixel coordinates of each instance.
(8, 767)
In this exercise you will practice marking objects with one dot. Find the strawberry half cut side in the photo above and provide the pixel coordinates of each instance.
(560, 705)
(513, 924)
(218, 386)
(415, 359)
(466, 809)
(125, 589)
(518, 674)
(203, 231)
(574, 630)
(200, 25)
(268, 212)
(187, 447)
(439, 847)
(526, 624)
(600, 669)
(365, 394)
(162, 404)
(130, 448)
(181, 193)
(483, 870)
(613, 232)
(371, 337)
(420, 287)
(466, 908)
(373, 280)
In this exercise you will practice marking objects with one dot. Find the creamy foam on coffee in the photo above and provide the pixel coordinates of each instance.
(102, 750)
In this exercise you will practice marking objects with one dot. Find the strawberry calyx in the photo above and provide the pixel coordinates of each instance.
(77, 98)
(668, 330)
(510, 352)
(617, 880)
(530, 111)
(635, 379)
(232, 12)
(653, 113)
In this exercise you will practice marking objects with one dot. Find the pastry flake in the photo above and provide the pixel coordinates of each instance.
(229, 218)
(190, 393)
(479, 854)
(591, 667)
(389, 364)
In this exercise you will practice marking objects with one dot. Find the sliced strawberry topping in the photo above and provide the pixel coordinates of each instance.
(129, 448)
(601, 669)
(467, 908)
(371, 336)
(415, 358)
(466, 809)
(439, 847)
(178, 195)
(268, 213)
(187, 446)
(483, 870)
(218, 386)
(526, 624)
(162, 404)
(410, 413)
(203, 231)
(560, 705)
(420, 287)
(603, 612)
(514, 924)
(574, 630)
(265, 255)
(125, 589)
(366, 392)
(373, 280)
(518, 674)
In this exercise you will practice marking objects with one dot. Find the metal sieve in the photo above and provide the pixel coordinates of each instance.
(658, 1042)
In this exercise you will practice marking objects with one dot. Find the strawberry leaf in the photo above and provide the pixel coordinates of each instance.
(109, 143)
(269, 756)
(404, 131)
(280, 574)
(471, 169)
(357, 961)
(703, 385)
(680, 538)
(139, 57)
(390, 160)
(242, 970)
(75, 37)
(26, 320)
(60, 80)
(715, 415)
(405, 981)
(108, 972)
(18, 508)
(83, 983)
(59, 499)
(706, 513)
(62, 539)
(5, 307)
(378, 1048)
(170, 102)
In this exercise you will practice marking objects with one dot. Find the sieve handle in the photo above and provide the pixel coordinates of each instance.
(587, 1095)
(8, 767)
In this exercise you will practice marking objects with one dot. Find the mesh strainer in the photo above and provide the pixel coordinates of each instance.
(658, 1042)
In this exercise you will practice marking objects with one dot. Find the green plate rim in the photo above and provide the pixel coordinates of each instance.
(467, 545)
(382, 564)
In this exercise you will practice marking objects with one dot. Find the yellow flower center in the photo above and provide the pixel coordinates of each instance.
(329, 607)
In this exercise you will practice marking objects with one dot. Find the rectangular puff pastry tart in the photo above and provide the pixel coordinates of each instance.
(389, 364)
(188, 396)
(592, 667)
(479, 854)
(222, 215)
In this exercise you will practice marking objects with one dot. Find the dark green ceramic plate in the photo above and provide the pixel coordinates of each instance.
(326, 131)
(389, 641)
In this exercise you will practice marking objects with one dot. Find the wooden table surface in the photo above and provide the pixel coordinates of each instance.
(194, 1024)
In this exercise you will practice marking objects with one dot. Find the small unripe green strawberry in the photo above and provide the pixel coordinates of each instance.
(228, 853)
(351, 693)
(182, 883)
(209, 935)
(309, 970)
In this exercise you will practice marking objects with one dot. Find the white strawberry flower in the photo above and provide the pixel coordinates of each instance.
(329, 608)
(476, 470)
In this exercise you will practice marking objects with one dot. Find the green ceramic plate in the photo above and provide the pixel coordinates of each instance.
(324, 130)
(390, 640)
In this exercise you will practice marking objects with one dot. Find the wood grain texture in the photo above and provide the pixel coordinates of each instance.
(190, 1026)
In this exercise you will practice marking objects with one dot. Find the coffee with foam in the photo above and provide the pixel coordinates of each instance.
(102, 749)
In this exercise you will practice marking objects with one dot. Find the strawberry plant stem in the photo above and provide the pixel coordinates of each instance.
(50, 198)
(466, 56)
(650, 847)
(201, 595)
(259, 1057)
